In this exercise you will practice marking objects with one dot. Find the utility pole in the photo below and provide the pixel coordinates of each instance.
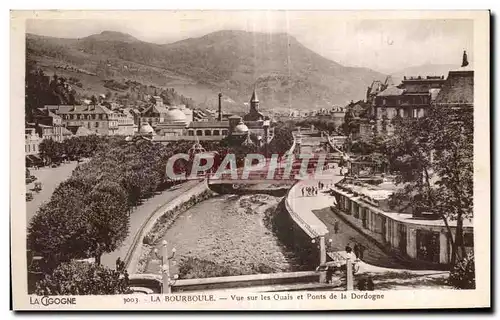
(349, 276)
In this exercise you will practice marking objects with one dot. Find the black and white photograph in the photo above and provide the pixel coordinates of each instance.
(252, 158)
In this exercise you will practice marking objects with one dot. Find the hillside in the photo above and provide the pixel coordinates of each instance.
(285, 73)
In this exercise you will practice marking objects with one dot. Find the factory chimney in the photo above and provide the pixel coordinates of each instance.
(220, 106)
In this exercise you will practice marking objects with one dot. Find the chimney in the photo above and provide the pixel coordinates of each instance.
(465, 61)
(220, 106)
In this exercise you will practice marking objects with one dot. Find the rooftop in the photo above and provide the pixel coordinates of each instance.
(209, 124)
(458, 88)
(80, 109)
(391, 91)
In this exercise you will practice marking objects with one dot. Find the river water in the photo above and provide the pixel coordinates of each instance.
(229, 231)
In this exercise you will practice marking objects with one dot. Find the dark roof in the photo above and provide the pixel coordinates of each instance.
(391, 91)
(79, 109)
(254, 97)
(458, 88)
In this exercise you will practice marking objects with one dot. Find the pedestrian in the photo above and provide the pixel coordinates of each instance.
(336, 226)
(370, 286)
(302, 191)
(319, 184)
(350, 254)
(118, 263)
(356, 250)
(362, 249)
(335, 203)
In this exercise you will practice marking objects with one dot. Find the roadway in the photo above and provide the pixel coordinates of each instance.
(50, 179)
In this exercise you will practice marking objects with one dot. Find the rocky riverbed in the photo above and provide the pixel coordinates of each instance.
(226, 235)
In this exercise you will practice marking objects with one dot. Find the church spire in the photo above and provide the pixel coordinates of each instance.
(254, 96)
(465, 61)
(254, 101)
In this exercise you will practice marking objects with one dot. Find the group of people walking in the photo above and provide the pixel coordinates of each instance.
(313, 190)
(309, 191)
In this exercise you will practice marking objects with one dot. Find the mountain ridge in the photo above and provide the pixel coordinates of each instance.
(286, 73)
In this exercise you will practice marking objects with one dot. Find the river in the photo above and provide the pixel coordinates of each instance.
(227, 232)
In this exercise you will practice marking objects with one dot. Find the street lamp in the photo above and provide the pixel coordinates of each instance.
(165, 266)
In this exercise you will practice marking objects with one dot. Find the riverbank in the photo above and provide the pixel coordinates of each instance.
(226, 235)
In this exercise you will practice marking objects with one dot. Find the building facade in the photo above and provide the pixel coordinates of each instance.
(417, 237)
(177, 123)
(410, 99)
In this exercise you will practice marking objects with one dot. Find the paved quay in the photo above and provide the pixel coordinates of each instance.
(315, 211)
(50, 178)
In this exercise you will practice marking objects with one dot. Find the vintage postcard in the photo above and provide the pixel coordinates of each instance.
(250, 160)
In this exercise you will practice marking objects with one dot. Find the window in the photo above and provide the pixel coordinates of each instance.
(97, 124)
(469, 240)
(208, 132)
(216, 133)
(27, 148)
(428, 246)
(384, 102)
(190, 133)
(415, 113)
(199, 132)
(224, 132)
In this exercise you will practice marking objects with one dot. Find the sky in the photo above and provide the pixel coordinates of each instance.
(387, 45)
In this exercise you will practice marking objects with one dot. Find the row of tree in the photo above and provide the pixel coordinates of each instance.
(74, 148)
(88, 214)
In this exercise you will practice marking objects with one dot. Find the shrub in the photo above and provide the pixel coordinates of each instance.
(193, 268)
(81, 278)
(463, 275)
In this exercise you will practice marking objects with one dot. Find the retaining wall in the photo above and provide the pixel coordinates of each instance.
(133, 255)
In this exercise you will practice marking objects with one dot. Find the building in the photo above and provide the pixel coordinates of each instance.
(410, 99)
(155, 113)
(31, 141)
(79, 131)
(337, 114)
(177, 124)
(254, 114)
(126, 123)
(95, 118)
(257, 123)
(412, 233)
(376, 87)
(458, 89)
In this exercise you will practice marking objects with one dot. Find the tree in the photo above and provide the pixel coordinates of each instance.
(350, 125)
(57, 231)
(106, 213)
(82, 278)
(434, 160)
(283, 139)
(50, 150)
